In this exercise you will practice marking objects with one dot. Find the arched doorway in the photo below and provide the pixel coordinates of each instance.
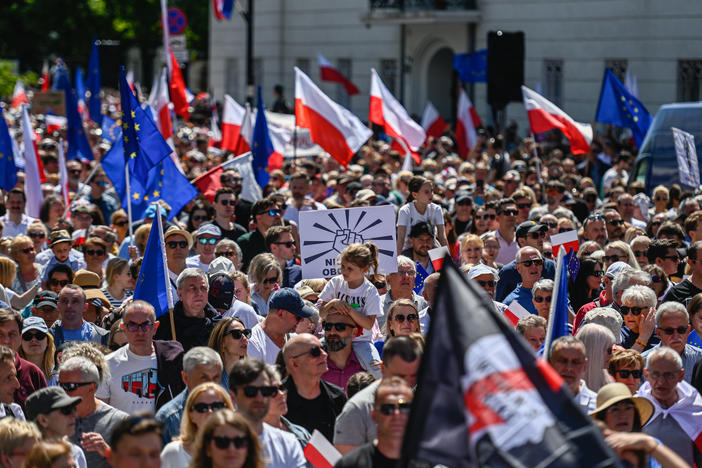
(440, 81)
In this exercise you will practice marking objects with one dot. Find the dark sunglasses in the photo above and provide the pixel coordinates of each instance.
(36, 235)
(380, 285)
(223, 443)
(286, 244)
(597, 273)
(615, 222)
(55, 282)
(250, 391)
(488, 283)
(205, 407)
(551, 225)
(564, 229)
(625, 373)
(612, 258)
(401, 318)
(74, 171)
(590, 198)
(67, 410)
(485, 216)
(271, 280)
(135, 327)
(522, 206)
(233, 180)
(315, 352)
(675, 258)
(228, 254)
(176, 244)
(340, 327)
(536, 261)
(510, 212)
(467, 202)
(121, 223)
(237, 334)
(199, 218)
(541, 299)
(28, 250)
(208, 240)
(670, 330)
(29, 336)
(274, 213)
(594, 217)
(72, 386)
(92, 252)
(635, 311)
(388, 409)
(228, 202)
(640, 253)
(538, 235)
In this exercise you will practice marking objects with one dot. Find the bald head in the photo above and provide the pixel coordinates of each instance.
(430, 283)
(304, 358)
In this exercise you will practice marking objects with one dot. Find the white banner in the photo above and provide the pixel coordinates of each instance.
(687, 157)
(325, 234)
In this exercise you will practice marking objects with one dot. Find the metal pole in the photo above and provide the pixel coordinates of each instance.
(129, 205)
(402, 64)
(249, 16)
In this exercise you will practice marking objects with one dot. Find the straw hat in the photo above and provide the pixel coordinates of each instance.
(611, 394)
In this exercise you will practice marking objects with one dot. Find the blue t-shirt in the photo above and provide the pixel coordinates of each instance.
(82, 334)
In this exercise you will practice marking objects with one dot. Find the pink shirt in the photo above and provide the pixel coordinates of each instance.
(338, 376)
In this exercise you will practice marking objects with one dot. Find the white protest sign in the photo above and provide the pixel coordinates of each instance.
(687, 157)
(324, 234)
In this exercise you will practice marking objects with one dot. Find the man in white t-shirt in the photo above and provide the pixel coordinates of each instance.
(144, 376)
(285, 310)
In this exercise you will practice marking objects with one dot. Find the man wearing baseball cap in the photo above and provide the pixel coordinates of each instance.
(60, 252)
(285, 310)
(421, 240)
(45, 305)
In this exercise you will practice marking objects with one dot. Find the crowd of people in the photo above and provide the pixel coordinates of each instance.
(256, 358)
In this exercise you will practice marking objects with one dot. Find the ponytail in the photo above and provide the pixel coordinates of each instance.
(364, 256)
(373, 256)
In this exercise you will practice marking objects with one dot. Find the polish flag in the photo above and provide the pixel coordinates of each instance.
(33, 169)
(54, 123)
(160, 102)
(545, 115)
(514, 312)
(467, 121)
(320, 452)
(437, 257)
(569, 240)
(327, 72)
(178, 90)
(243, 142)
(130, 80)
(45, 76)
(387, 111)
(432, 122)
(232, 121)
(19, 95)
(280, 137)
(333, 127)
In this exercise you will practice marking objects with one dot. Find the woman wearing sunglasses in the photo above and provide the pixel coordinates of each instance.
(204, 400)
(199, 213)
(402, 320)
(481, 219)
(23, 251)
(587, 285)
(638, 310)
(227, 441)
(230, 338)
(37, 346)
(626, 366)
(266, 274)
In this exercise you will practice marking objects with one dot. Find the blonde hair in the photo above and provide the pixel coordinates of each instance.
(17, 242)
(188, 431)
(47, 362)
(114, 267)
(8, 270)
(44, 453)
(141, 236)
(14, 433)
(391, 315)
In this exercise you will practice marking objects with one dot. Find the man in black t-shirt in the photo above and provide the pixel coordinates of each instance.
(691, 286)
(393, 400)
(463, 212)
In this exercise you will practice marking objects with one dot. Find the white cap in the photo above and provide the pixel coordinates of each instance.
(208, 228)
(482, 269)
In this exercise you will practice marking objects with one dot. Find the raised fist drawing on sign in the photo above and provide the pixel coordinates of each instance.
(345, 237)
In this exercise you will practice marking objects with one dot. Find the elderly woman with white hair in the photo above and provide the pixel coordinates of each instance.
(639, 312)
(598, 342)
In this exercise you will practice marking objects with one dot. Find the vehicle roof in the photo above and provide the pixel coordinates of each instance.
(681, 105)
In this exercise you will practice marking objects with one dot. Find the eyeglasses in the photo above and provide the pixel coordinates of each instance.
(28, 250)
(400, 318)
(29, 336)
(535, 261)
(177, 244)
(565, 229)
(625, 373)
(271, 280)
(273, 213)
(671, 330)
(661, 199)
(510, 212)
(234, 180)
(223, 443)
(388, 409)
(36, 235)
(594, 217)
(551, 225)
(55, 282)
(93, 252)
(406, 272)
(488, 283)
(655, 375)
(227, 202)
(380, 285)
(541, 299)
(121, 223)
(538, 235)
(485, 216)
(205, 407)
(615, 222)
(314, 351)
(522, 206)
(675, 258)
(72, 386)
(228, 254)
(208, 240)
(612, 258)
(74, 171)
(466, 202)
(237, 334)
(286, 244)
(266, 391)
(640, 253)
(635, 311)
(135, 327)
(199, 218)
(340, 327)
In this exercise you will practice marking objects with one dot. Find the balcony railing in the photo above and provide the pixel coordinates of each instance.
(423, 5)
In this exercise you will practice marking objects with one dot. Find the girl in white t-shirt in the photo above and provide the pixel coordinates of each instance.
(360, 298)
(419, 208)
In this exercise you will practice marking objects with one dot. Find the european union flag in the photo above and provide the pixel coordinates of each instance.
(151, 283)
(144, 147)
(573, 263)
(619, 107)
(8, 169)
(261, 146)
(419, 278)
(94, 101)
(558, 315)
(78, 146)
(111, 131)
(80, 84)
(471, 68)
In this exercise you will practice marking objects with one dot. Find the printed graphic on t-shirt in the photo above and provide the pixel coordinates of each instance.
(143, 383)
(353, 301)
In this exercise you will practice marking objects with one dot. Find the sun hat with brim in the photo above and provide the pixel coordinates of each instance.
(172, 231)
(611, 394)
(57, 237)
(90, 282)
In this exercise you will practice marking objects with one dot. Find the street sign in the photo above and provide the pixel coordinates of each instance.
(177, 21)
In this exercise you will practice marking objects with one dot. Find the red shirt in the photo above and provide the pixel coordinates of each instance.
(338, 376)
(587, 308)
(30, 377)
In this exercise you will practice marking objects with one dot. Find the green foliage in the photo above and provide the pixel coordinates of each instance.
(8, 79)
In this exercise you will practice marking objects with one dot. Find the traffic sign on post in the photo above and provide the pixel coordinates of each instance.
(177, 21)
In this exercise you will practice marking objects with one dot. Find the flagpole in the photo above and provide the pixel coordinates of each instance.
(80, 189)
(538, 166)
(169, 294)
(129, 205)
(554, 302)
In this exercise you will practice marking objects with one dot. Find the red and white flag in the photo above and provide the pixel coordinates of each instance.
(333, 127)
(545, 115)
(209, 182)
(327, 72)
(130, 80)
(160, 102)
(243, 143)
(467, 121)
(569, 240)
(179, 94)
(232, 121)
(33, 170)
(19, 95)
(514, 312)
(432, 122)
(54, 123)
(45, 76)
(387, 111)
(437, 257)
(320, 452)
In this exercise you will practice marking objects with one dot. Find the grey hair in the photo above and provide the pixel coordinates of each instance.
(403, 261)
(201, 356)
(225, 243)
(624, 279)
(567, 340)
(562, 212)
(87, 368)
(668, 307)
(523, 249)
(530, 321)
(637, 239)
(664, 352)
(543, 284)
(537, 212)
(640, 295)
(596, 339)
(607, 317)
(191, 273)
